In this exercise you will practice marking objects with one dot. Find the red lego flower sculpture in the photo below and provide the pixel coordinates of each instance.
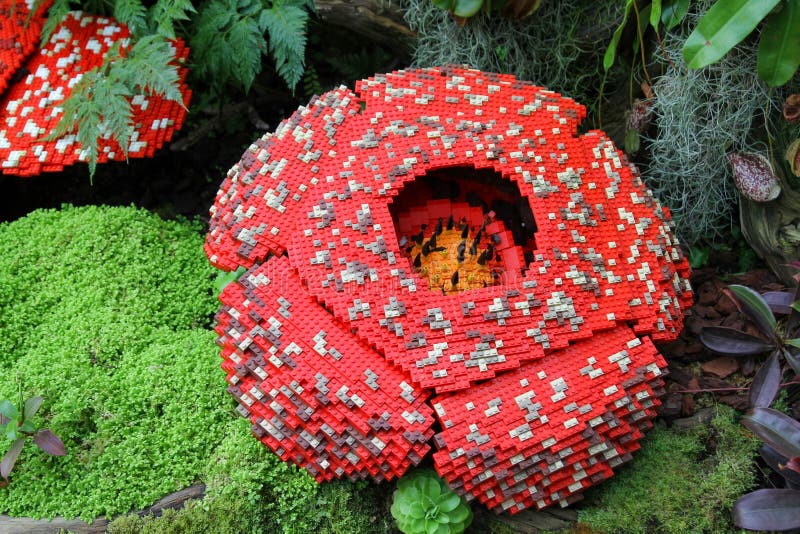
(30, 107)
(443, 241)
(19, 35)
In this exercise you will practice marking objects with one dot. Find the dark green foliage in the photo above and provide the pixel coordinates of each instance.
(678, 482)
(230, 36)
(229, 42)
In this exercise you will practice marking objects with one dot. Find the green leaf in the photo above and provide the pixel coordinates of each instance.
(416, 510)
(466, 8)
(32, 406)
(655, 14)
(449, 502)
(429, 487)
(443, 4)
(431, 526)
(164, 13)
(756, 308)
(723, 27)
(643, 17)
(148, 67)
(779, 47)
(10, 430)
(9, 411)
(228, 42)
(55, 16)
(27, 427)
(611, 51)
(673, 12)
(286, 25)
(460, 514)
(131, 13)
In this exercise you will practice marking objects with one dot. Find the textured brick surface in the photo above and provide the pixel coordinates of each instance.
(544, 379)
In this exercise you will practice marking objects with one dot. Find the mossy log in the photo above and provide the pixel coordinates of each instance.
(773, 230)
(25, 525)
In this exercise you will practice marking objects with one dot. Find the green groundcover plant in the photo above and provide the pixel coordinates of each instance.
(104, 314)
(680, 481)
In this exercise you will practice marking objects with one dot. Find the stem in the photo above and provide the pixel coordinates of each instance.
(710, 390)
(641, 43)
(664, 51)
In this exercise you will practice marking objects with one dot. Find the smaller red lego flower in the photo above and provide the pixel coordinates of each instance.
(30, 107)
(19, 35)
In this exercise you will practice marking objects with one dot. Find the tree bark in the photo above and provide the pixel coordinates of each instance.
(380, 21)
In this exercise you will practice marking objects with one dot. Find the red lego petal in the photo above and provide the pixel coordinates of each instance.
(543, 433)
(259, 200)
(316, 395)
(19, 35)
(31, 107)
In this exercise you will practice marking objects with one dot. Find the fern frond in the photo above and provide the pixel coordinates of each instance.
(99, 104)
(82, 113)
(133, 14)
(286, 24)
(228, 42)
(165, 13)
(148, 67)
(57, 13)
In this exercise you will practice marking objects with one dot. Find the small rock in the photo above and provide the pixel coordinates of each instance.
(749, 367)
(671, 406)
(695, 347)
(702, 417)
(725, 306)
(721, 367)
(707, 294)
(695, 324)
(737, 401)
(707, 312)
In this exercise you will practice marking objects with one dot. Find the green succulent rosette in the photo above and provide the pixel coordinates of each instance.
(425, 504)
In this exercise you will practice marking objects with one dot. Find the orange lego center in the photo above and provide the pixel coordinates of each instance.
(457, 259)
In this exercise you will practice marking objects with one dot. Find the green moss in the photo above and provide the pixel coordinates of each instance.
(104, 314)
(678, 482)
(250, 490)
